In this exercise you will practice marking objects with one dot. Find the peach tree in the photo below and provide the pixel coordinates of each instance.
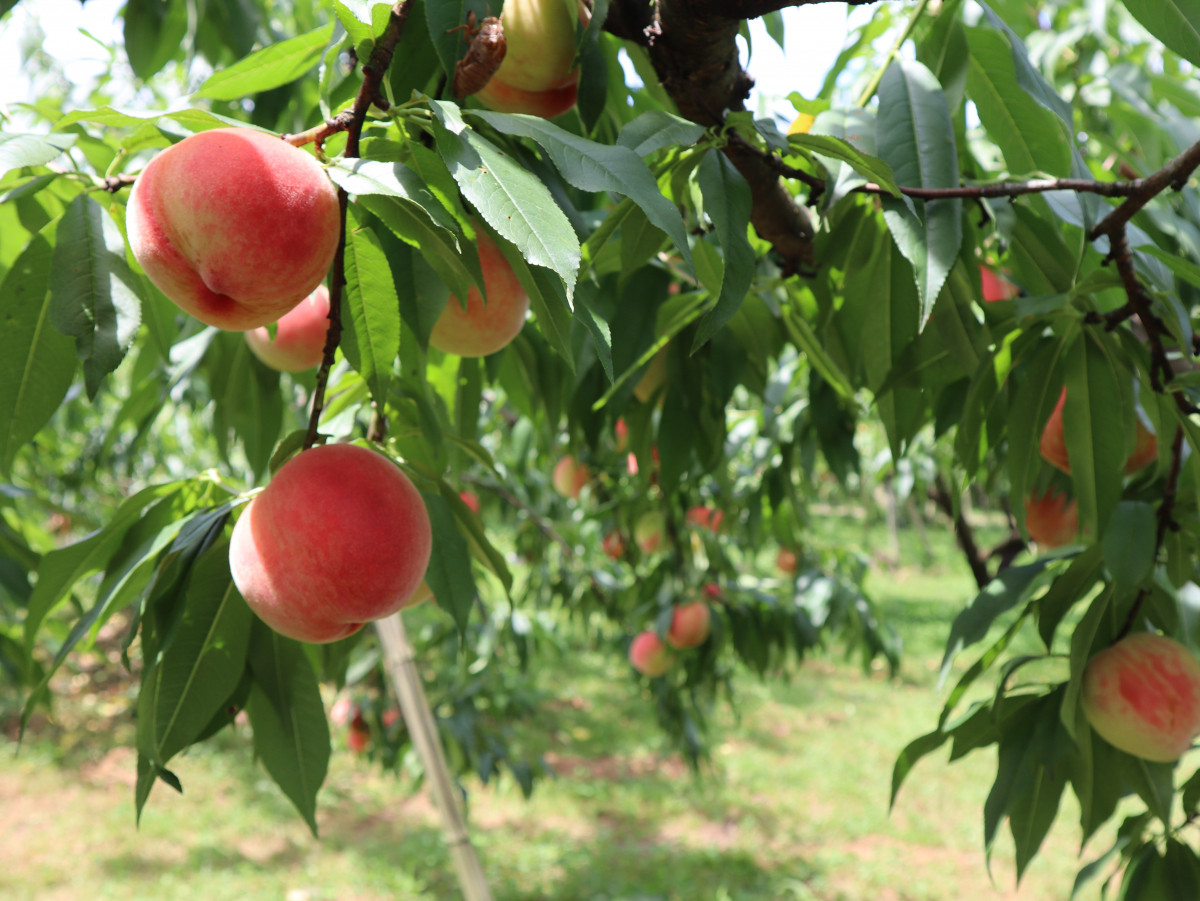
(986, 208)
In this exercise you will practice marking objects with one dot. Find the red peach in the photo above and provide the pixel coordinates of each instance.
(570, 476)
(705, 517)
(483, 328)
(1053, 443)
(996, 286)
(471, 499)
(1052, 520)
(649, 655)
(690, 625)
(614, 545)
(1142, 695)
(234, 225)
(299, 341)
(339, 537)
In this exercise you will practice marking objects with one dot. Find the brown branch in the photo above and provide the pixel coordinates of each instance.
(1013, 189)
(113, 183)
(692, 46)
(1173, 175)
(319, 133)
(939, 492)
(368, 93)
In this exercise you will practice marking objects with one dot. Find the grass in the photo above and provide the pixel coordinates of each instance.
(793, 806)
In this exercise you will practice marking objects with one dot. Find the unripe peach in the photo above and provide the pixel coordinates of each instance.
(299, 341)
(690, 624)
(483, 329)
(1142, 695)
(649, 655)
(1052, 520)
(234, 225)
(537, 75)
(648, 531)
(339, 537)
(570, 476)
(995, 286)
(1053, 444)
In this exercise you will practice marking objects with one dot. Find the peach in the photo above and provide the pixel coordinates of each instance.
(483, 328)
(996, 286)
(648, 531)
(570, 476)
(786, 561)
(649, 655)
(1053, 443)
(1142, 695)
(471, 499)
(339, 537)
(234, 225)
(705, 517)
(621, 431)
(690, 625)
(358, 734)
(538, 75)
(299, 341)
(1052, 520)
(614, 545)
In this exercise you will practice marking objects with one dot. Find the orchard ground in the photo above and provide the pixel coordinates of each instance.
(792, 806)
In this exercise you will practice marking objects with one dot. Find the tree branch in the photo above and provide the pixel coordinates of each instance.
(693, 49)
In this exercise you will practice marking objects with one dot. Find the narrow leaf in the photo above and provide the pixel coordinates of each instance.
(372, 341)
(272, 66)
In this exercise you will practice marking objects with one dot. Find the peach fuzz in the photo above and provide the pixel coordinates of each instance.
(1142, 695)
(648, 655)
(1052, 519)
(339, 537)
(483, 328)
(234, 225)
(299, 341)
(1053, 443)
(690, 624)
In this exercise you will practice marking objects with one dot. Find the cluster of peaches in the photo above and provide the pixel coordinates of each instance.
(239, 228)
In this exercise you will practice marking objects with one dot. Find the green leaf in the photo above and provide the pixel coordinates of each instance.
(727, 203)
(291, 734)
(512, 199)
(1068, 588)
(915, 136)
(1099, 405)
(1032, 813)
(155, 31)
(547, 299)
(1174, 22)
(590, 166)
(450, 576)
(397, 196)
(37, 362)
(913, 752)
(655, 130)
(1083, 640)
(1129, 544)
(828, 147)
(19, 151)
(371, 341)
(93, 291)
(272, 66)
(204, 662)
(1153, 782)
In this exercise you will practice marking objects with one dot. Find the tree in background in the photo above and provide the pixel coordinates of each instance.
(977, 242)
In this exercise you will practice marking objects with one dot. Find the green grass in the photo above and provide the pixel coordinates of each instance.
(794, 804)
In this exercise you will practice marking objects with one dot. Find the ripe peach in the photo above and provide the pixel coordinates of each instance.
(705, 517)
(358, 733)
(996, 286)
(340, 536)
(299, 341)
(649, 655)
(537, 75)
(690, 624)
(786, 561)
(483, 328)
(649, 530)
(1053, 444)
(712, 590)
(234, 225)
(1052, 520)
(1142, 695)
(621, 431)
(570, 476)
(614, 545)
(471, 499)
